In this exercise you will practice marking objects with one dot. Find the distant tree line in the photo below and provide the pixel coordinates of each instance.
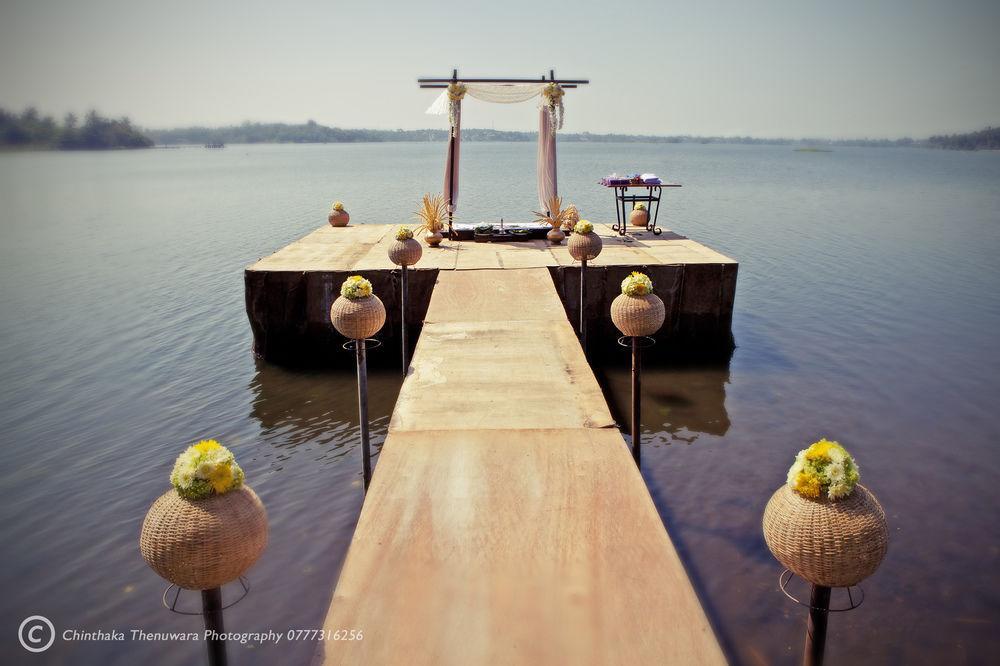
(29, 129)
(987, 139)
(313, 132)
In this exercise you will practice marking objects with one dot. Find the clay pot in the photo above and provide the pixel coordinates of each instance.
(357, 318)
(405, 252)
(338, 218)
(638, 217)
(836, 543)
(555, 236)
(585, 246)
(434, 239)
(201, 544)
(637, 316)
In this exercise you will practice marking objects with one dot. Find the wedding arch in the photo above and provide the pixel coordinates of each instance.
(502, 91)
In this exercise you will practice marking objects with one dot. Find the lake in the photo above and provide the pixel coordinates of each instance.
(866, 311)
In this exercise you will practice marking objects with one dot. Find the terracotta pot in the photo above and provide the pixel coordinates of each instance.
(357, 318)
(636, 316)
(836, 543)
(338, 218)
(434, 239)
(555, 236)
(638, 217)
(405, 252)
(201, 544)
(585, 246)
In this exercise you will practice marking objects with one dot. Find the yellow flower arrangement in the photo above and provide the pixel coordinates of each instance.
(456, 91)
(553, 92)
(338, 206)
(637, 284)
(356, 287)
(204, 469)
(824, 466)
(404, 233)
(583, 227)
(639, 206)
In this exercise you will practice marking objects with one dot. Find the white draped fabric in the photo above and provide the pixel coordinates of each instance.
(547, 185)
(501, 93)
(498, 93)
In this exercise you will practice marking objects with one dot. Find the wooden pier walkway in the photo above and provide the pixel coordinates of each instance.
(506, 522)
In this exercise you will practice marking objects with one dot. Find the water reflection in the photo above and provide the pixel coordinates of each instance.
(319, 408)
(681, 398)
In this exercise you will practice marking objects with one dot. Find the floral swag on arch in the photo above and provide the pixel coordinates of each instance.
(551, 113)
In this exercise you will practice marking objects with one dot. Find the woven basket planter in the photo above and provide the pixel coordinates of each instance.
(836, 543)
(585, 246)
(338, 218)
(555, 235)
(434, 239)
(405, 252)
(638, 217)
(636, 316)
(358, 318)
(201, 544)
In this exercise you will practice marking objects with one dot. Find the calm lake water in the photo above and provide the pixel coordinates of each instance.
(867, 310)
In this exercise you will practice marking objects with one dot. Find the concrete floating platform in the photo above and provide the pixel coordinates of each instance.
(289, 293)
(512, 527)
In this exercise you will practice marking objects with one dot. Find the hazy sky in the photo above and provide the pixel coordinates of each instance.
(796, 68)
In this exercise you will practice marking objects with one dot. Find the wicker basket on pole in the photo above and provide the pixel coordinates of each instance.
(833, 543)
(405, 250)
(357, 313)
(637, 311)
(584, 244)
(200, 543)
(829, 541)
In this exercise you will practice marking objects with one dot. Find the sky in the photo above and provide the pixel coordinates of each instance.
(797, 68)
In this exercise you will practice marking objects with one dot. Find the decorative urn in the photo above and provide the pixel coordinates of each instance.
(338, 217)
(639, 217)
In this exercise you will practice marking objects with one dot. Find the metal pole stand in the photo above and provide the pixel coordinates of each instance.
(361, 348)
(366, 453)
(637, 344)
(211, 604)
(211, 611)
(819, 612)
(583, 321)
(402, 318)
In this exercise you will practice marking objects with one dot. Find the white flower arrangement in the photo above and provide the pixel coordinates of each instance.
(205, 469)
(553, 94)
(637, 284)
(356, 287)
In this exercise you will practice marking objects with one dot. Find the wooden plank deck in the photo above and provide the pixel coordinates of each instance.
(506, 522)
(363, 248)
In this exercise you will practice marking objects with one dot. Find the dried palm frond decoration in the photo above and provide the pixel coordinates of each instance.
(554, 215)
(431, 213)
